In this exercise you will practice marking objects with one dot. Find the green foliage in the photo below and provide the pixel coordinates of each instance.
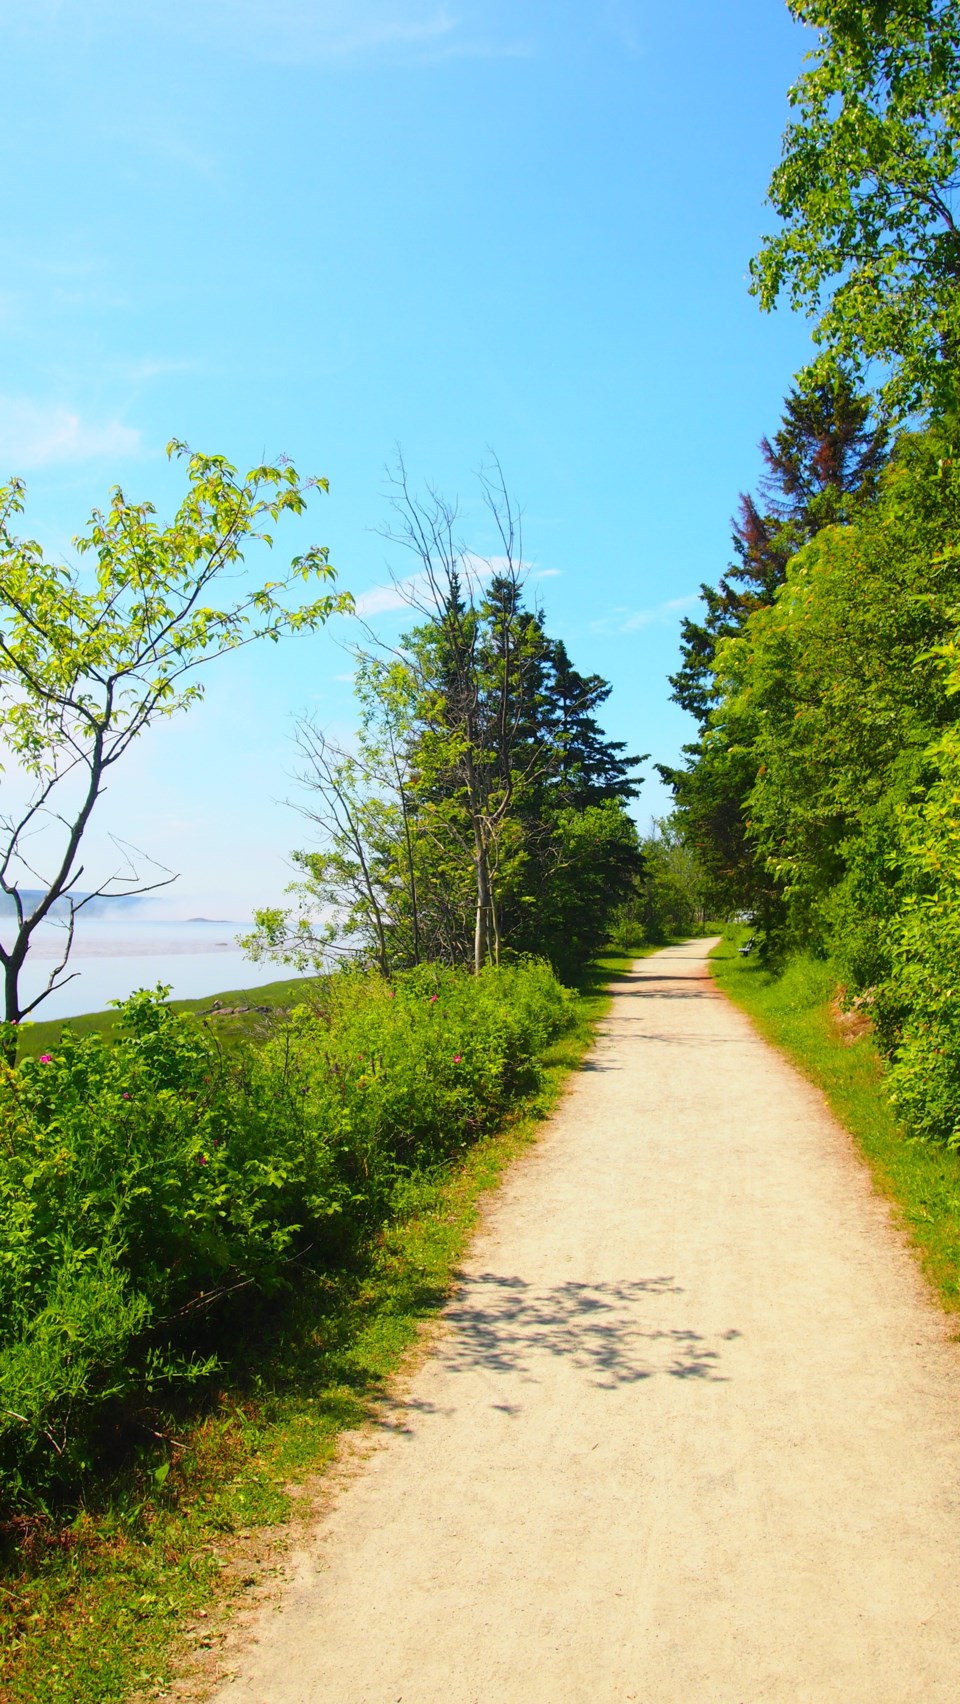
(919, 1003)
(668, 897)
(673, 887)
(91, 657)
(865, 189)
(594, 858)
(516, 802)
(483, 811)
(824, 792)
(822, 468)
(98, 1606)
(144, 624)
(839, 701)
(151, 1190)
(834, 694)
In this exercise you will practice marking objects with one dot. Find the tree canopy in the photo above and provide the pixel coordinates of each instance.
(866, 190)
(823, 464)
(822, 795)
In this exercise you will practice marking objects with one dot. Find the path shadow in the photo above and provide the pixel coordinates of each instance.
(670, 988)
(687, 1040)
(503, 1325)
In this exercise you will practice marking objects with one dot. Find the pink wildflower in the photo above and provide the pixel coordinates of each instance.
(46, 1058)
(433, 999)
(125, 1095)
(457, 1058)
(202, 1160)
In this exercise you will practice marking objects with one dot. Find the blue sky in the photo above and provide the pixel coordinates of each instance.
(326, 229)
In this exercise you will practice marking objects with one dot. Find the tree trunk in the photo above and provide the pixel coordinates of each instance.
(481, 930)
(495, 920)
(414, 912)
(11, 1006)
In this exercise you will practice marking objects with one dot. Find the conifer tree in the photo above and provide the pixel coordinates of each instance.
(821, 463)
(822, 466)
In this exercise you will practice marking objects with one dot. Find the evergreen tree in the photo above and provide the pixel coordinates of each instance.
(484, 811)
(820, 465)
(822, 468)
(590, 768)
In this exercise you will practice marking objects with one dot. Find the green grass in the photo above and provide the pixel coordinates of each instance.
(277, 997)
(111, 1606)
(796, 1010)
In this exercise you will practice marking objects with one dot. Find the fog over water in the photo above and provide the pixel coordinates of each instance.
(117, 952)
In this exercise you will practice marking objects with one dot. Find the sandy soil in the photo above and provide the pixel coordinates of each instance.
(690, 1430)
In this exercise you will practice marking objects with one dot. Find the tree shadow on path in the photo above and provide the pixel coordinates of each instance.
(505, 1325)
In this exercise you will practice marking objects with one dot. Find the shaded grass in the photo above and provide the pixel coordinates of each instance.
(795, 1009)
(111, 1606)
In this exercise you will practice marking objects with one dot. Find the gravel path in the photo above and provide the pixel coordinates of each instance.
(690, 1431)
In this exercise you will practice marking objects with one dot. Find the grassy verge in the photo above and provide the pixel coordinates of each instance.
(110, 1607)
(796, 1011)
(260, 1004)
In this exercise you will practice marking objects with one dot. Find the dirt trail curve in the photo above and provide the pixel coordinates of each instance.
(690, 1432)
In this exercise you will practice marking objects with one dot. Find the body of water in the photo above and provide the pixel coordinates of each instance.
(113, 957)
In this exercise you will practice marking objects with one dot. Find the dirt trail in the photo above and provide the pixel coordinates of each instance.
(690, 1432)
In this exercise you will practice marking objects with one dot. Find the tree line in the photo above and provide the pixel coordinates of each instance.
(822, 790)
(481, 809)
(480, 812)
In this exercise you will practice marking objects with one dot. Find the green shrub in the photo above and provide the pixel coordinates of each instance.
(627, 936)
(918, 1004)
(146, 1182)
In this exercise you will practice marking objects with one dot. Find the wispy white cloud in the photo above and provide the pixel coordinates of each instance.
(380, 600)
(312, 28)
(480, 47)
(413, 591)
(36, 267)
(346, 31)
(298, 30)
(289, 31)
(34, 435)
(625, 620)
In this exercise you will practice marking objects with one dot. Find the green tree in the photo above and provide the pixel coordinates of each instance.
(590, 767)
(483, 808)
(917, 1007)
(832, 695)
(92, 657)
(514, 780)
(592, 863)
(672, 886)
(358, 892)
(866, 189)
(822, 466)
